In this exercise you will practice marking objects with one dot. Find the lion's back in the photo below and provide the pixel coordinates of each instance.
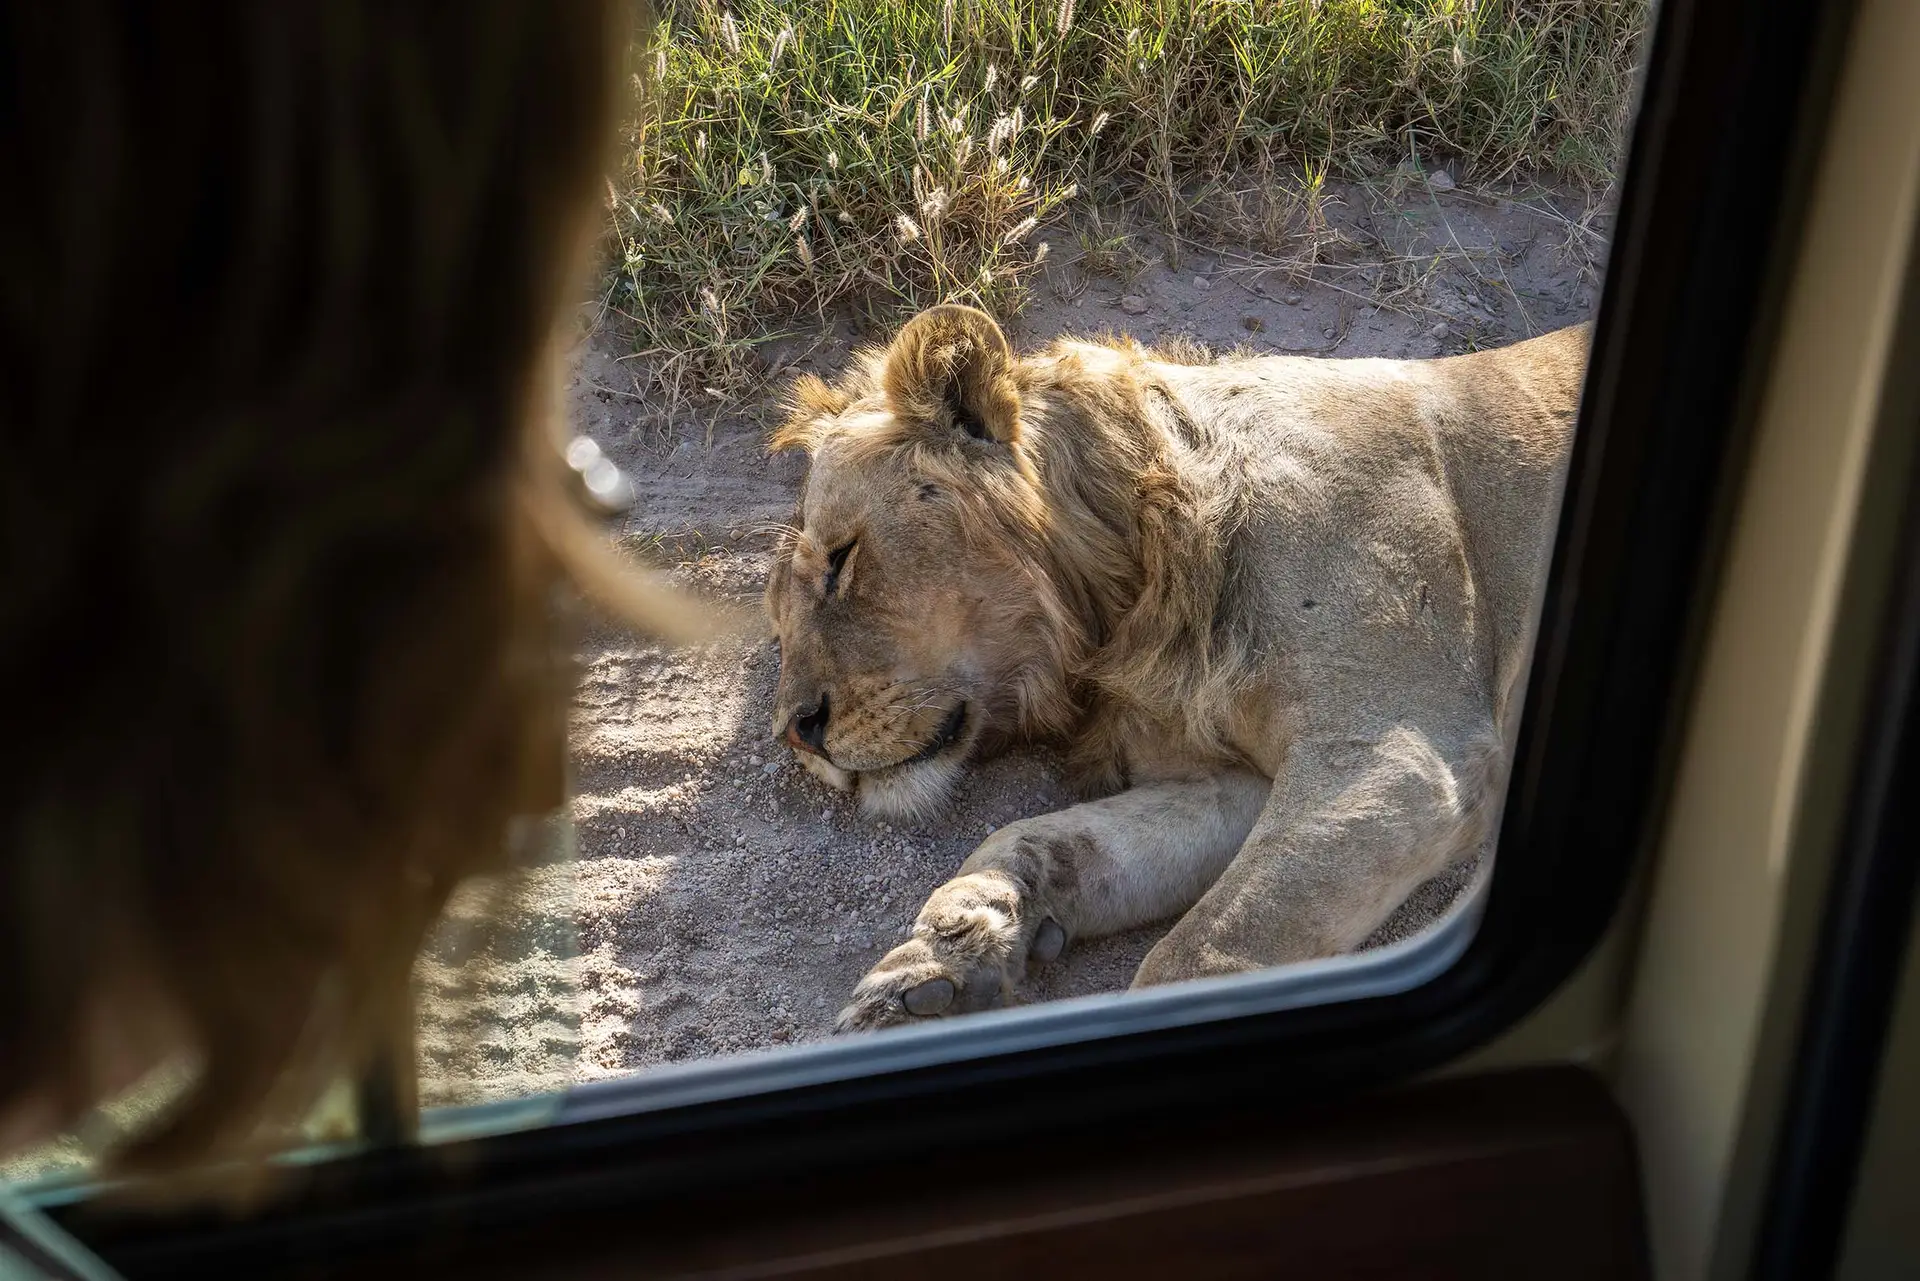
(1385, 513)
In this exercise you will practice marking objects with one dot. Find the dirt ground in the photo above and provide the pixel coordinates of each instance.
(719, 899)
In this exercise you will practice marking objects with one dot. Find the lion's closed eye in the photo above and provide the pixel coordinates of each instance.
(836, 562)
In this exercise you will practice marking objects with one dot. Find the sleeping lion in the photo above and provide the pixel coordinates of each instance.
(1275, 611)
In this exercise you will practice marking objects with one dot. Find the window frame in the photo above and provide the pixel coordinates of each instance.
(1734, 101)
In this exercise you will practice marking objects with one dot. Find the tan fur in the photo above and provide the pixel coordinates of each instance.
(1274, 608)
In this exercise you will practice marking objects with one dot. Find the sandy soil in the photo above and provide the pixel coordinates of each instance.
(719, 899)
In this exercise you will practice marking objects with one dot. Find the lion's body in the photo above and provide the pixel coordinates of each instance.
(1275, 609)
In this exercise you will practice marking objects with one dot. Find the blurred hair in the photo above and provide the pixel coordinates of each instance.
(284, 514)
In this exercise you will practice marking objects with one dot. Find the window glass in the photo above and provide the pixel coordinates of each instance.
(1120, 632)
(1216, 183)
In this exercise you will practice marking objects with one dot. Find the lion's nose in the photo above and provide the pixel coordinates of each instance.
(808, 729)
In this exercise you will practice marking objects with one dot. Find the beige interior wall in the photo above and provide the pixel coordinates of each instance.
(1751, 820)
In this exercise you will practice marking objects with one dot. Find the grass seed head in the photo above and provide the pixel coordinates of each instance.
(999, 134)
(1228, 92)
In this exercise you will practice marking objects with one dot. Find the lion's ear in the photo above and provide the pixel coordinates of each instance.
(953, 367)
(809, 404)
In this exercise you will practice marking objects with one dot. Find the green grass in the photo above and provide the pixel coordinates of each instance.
(886, 154)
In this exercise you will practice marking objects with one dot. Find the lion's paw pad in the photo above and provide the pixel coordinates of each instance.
(929, 998)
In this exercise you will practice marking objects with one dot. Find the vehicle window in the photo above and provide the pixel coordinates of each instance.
(759, 824)
(1141, 430)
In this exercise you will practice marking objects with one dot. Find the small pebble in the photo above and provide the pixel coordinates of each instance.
(1202, 283)
(1133, 304)
(1440, 180)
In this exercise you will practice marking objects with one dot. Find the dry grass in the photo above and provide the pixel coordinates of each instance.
(885, 154)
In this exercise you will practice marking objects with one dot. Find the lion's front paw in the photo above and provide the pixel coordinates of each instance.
(968, 949)
(916, 981)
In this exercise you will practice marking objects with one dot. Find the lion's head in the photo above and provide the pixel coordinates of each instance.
(916, 616)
